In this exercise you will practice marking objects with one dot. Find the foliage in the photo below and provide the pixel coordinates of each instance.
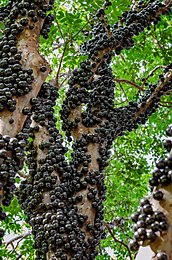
(134, 154)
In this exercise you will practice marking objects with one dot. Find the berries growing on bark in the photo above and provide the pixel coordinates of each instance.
(154, 220)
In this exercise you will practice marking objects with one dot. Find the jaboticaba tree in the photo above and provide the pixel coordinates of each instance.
(16, 80)
(63, 200)
(66, 214)
(151, 224)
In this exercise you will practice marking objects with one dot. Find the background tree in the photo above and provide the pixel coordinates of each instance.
(63, 190)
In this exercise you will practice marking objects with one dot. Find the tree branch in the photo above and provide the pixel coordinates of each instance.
(159, 90)
(60, 64)
(118, 241)
(22, 175)
(151, 73)
(140, 111)
(21, 237)
(118, 223)
(63, 54)
(73, 37)
(129, 82)
(165, 104)
(60, 30)
(123, 90)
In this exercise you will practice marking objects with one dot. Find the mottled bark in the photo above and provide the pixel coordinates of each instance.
(163, 243)
(28, 45)
(153, 220)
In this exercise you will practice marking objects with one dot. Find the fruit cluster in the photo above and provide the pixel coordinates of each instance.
(9, 168)
(162, 175)
(120, 36)
(47, 25)
(14, 79)
(147, 221)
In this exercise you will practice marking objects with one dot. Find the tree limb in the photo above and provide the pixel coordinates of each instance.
(129, 82)
(118, 241)
(21, 237)
(161, 87)
(18, 257)
(60, 64)
(60, 30)
(151, 73)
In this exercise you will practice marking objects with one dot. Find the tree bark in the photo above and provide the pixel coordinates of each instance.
(27, 45)
(24, 38)
(164, 241)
